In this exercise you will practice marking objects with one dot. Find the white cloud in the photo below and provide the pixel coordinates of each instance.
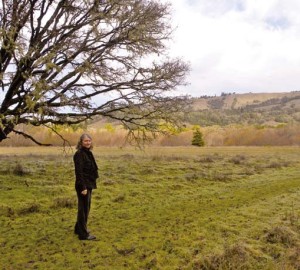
(236, 45)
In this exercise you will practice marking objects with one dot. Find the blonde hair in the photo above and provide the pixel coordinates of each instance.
(79, 144)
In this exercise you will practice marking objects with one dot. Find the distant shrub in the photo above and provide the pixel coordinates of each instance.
(197, 138)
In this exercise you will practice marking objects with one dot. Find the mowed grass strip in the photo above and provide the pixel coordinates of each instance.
(161, 208)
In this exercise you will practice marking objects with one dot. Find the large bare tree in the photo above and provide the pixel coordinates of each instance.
(64, 62)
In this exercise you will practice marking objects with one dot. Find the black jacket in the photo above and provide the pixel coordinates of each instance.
(86, 169)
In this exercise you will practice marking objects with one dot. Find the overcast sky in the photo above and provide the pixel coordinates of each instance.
(238, 45)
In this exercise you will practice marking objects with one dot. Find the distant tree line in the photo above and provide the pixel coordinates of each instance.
(278, 110)
(241, 116)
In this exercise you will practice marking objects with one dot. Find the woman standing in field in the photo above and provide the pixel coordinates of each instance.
(86, 171)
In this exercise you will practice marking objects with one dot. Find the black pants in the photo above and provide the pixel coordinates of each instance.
(84, 205)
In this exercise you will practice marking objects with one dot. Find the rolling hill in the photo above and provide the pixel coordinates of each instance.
(251, 108)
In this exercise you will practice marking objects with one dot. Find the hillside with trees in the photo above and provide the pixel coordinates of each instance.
(268, 109)
(226, 120)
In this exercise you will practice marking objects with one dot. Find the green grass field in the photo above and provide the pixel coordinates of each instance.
(161, 208)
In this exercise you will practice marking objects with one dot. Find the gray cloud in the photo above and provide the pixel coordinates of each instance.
(240, 46)
(217, 7)
(277, 22)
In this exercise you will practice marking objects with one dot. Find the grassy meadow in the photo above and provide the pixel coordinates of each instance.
(160, 208)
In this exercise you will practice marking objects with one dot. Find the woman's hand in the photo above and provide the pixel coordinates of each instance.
(84, 192)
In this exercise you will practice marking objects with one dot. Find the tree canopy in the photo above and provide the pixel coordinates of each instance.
(64, 62)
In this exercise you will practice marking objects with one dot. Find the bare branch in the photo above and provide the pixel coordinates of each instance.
(65, 142)
(63, 62)
(27, 136)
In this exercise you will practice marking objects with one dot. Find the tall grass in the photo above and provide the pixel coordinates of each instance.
(160, 208)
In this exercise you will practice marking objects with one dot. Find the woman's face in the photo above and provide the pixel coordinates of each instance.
(86, 142)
